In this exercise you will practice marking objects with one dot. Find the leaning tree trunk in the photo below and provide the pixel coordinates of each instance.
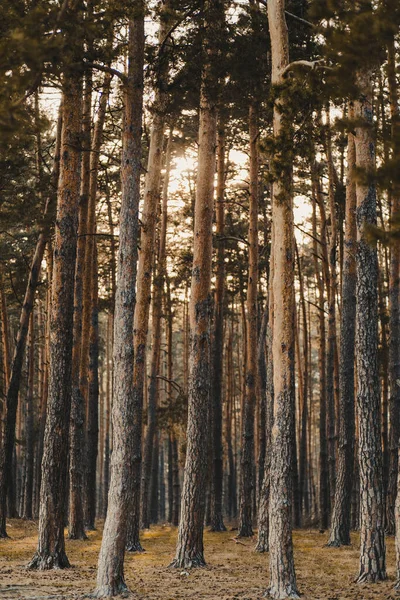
(372, 554)
(250, 399)
(340, 526)
(282, 572)
(126, 417)
(189, 551)
(51, 545)
(217, 521)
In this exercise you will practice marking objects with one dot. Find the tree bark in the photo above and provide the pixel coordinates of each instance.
(29, 424)
(158, 286)
(126, 415)
(217, 521)
(372, 553)
(189, 551)
(394, 305)
(340, 526)
(51, 544)
(76, 527)
(282, 571)
(247, 454)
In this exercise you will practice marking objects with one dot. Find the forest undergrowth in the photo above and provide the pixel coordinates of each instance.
(234, 571)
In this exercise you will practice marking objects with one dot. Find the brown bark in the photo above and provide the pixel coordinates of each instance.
(158, 286)
(323, 451)
(394, 304)
(51, 545)
(217, 521)
(76, 528)
(282, 571)
(331, 358)
(247, 453)
(372, 553)
(126, 415)
(29, 424)
(340, 526)
(189, 551)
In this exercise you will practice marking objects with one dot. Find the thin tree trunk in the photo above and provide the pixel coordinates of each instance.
(323, 451)
(282, 571)
(189, 551)
(76, 528)
(340, 527)
(126, 415)
(158, 286)
(250, 399)
(29, 424)
(217, 521)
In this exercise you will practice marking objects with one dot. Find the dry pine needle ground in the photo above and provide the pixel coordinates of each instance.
(235, 571)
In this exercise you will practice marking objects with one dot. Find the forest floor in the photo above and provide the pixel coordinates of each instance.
(235, 571)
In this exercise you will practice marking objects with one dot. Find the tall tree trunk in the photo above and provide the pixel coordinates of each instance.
(282, 571)
(331, 359)
(76, 528)
(51, 544)
(217, 521)
(372, 553)
(394, 304)
(158, 286)
(340, 526)
(145, 268)
(91, 292)
(189, 551)
(263, 508)
(29, 424)
(247, 454)
(126, 415)
(323, 451)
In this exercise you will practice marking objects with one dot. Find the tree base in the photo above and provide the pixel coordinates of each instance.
(75, 535)
(262, 544)
(47, 561)
(281, 593)
(217, 524)
(245, 532)
(369, 577)
(109, 591)
(3, 534)
(185, 562)
(135, 547)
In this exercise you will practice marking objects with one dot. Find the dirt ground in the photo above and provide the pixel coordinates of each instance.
(235, 571)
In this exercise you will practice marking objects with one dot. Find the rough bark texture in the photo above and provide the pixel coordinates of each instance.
(372, 554)
(263, 506)
(282, 572)
(51, 545)
(76, 528)
(145, 268)
(247, 453)
(340, 526)
(29, 424)
(394, 307)
(126, 416)
(217, 521)
(189, 551)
